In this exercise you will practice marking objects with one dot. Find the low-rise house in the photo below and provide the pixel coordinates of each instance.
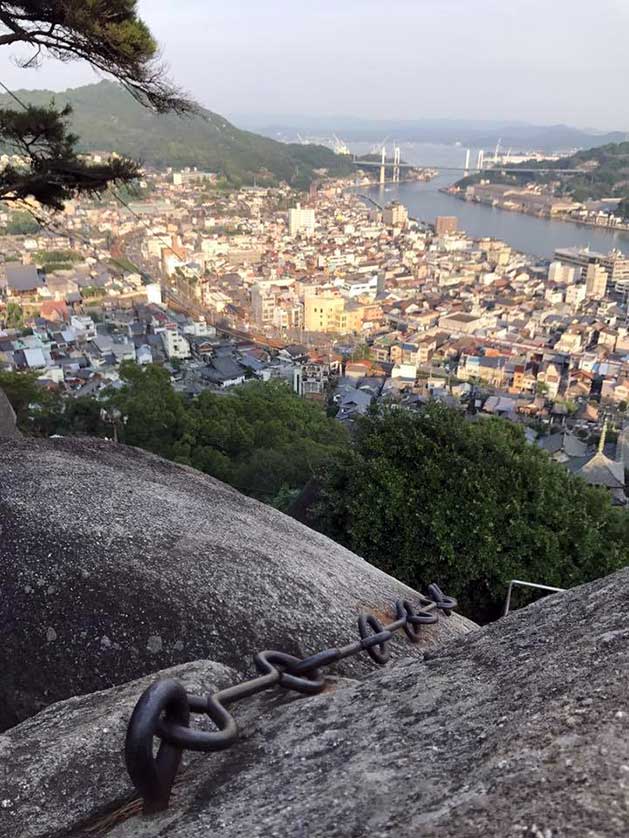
(224, 372)
(615, 390)
(601, 470)
(143, 355)
(500, 406)
(551, 377)
(352, 403)
(563, 446)
(54, 311)
(22, 280)
(311, 380)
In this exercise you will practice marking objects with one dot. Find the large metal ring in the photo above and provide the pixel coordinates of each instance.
(269, 661)
(443, 602)
(152, 776)
(201, 740)
(376, 650)
(404, 610)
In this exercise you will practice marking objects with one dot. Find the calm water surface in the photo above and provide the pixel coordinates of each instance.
(537, 236)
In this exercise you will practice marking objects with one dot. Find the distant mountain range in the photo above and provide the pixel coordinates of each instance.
(471, 133)
(106, 118)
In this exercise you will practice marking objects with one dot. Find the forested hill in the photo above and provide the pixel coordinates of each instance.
(604, 173)
(107, 118)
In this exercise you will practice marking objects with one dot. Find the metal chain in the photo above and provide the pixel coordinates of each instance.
(164, 708)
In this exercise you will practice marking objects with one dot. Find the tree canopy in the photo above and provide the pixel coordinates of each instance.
(426, 496)
(429, 496)
(106, 119)
(600, 172)
(261, 438)
(110, 36)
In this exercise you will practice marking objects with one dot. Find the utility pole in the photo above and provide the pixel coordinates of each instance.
(113, 417)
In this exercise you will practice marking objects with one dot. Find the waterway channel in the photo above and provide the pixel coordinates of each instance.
(528, 234)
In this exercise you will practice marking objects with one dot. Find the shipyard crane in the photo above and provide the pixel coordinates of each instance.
(340, 147)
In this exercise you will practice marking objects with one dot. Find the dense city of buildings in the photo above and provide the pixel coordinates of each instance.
(347, 301)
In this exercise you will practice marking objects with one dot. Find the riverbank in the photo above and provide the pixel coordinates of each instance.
(583, 222)
(538, 237)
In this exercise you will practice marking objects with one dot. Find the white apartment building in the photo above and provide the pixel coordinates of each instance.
(175, 345)
(395, 215)
(301, 221)
(596, 282)
(563, 274)
(575, 294)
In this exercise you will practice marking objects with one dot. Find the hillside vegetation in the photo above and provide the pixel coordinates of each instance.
(107, 119)
(262, 438)
(430, 495)
(423, 496)
(603, 173)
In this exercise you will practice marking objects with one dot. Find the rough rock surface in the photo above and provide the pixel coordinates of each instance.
(115, 563)
(518, 729)
(7, 418)
(71, 764)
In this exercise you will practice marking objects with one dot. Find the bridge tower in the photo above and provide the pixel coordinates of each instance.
(397, 156)
(481, 160)
(383, 166)
(467, 162)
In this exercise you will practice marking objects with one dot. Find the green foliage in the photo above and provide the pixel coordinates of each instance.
(51, 267)
(108, 35)
(156, 415)
(50, 257)
(88, 291)
(112, 38)
(38, 411)
(52, 172)
(21, 390)
(261, 438)
(361, 353)
(623, 209)
(106, 119)
(14, 316)
(22, 224)
(603, 175)
(285, 498)
(43, 412)
(429, 496)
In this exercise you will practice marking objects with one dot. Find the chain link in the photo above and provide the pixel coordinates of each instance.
(164, 709)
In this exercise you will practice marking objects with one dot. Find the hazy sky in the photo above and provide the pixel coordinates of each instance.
(544, 61)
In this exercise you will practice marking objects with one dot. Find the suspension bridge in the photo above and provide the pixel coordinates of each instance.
(395, 165)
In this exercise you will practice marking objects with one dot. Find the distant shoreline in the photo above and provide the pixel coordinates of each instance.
(619, 228)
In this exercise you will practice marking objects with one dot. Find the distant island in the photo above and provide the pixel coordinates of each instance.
(107, 119)
(597, 194)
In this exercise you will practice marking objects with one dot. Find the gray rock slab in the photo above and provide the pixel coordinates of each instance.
(7, 418)
(520, 729)
(71, 755)
(115, 563)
